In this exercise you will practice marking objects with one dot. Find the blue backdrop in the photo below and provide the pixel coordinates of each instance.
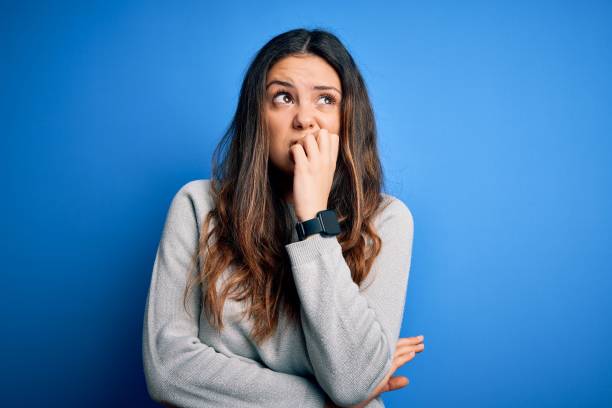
(494, 121)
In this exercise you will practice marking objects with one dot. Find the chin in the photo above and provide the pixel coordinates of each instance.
(288, 170)
(285, 168)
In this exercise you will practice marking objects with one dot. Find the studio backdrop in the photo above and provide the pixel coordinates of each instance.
(494, 128)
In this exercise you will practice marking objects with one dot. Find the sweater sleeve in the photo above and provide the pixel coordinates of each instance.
(351, 331)
(180, 370)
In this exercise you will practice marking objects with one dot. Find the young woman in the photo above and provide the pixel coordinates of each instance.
(281, 281)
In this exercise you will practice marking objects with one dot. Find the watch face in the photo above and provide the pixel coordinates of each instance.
(330, 222)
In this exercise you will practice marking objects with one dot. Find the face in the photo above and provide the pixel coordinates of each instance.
(303, 95)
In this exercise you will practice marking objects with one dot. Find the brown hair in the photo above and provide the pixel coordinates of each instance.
(252, 222)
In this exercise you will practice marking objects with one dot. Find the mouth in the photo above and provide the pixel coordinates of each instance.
(294, 141)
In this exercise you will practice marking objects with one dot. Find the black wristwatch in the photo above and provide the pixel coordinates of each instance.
(325, 223)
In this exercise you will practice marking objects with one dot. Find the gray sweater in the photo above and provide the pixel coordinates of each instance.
(343, 346)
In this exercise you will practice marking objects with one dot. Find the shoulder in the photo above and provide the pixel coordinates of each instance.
(395, 215)
(197, 190)
(193, 199)
(396, 206)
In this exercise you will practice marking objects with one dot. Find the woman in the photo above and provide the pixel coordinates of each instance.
(292, 315)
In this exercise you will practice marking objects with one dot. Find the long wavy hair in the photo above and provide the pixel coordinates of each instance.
(252, 222)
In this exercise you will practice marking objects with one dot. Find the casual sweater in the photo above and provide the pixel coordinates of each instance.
(342, 346)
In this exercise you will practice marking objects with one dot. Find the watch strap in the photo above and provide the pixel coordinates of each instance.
(325, 223)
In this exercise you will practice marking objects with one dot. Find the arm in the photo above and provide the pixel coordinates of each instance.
(351, 331)
(179, 369)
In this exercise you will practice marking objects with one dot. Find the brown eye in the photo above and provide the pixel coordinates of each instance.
(279, 94)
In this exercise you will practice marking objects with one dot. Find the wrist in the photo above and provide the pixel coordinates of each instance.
(324, 222)
(308, 215)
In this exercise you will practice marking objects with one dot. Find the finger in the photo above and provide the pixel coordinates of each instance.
(310, 145)
(397, 382)
(402, 350)
(298, 155)
(324, 145)
(408, 348)
(401, 360)
(410, 340)
(404, 355)
(334, 146)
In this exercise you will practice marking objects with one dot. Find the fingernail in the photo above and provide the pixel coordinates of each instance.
(421, 337)
(412, 353)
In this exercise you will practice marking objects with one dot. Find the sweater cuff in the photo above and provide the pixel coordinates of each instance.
(375, 403)
(309, 249)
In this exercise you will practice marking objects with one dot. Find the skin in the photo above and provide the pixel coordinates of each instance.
(303, 125)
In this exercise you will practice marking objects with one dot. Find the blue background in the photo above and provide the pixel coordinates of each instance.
(494, 121)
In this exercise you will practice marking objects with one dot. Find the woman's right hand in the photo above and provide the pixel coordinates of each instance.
(405, 351)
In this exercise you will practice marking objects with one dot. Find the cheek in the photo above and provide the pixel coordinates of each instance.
(279, 149)
(332, 124)
(276, 131)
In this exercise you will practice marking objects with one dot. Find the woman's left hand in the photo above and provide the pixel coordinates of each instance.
(405, 351)
(314, 158)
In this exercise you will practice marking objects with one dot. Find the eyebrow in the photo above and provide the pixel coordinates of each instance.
(290, 85)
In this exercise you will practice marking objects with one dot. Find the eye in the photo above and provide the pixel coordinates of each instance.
(280, 93)
(331, 98)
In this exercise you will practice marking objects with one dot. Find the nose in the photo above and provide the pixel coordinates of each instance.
(304, 118)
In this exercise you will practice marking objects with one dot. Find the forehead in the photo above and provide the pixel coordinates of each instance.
(305, 69)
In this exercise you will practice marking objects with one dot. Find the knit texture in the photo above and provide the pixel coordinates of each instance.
(342, 347)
